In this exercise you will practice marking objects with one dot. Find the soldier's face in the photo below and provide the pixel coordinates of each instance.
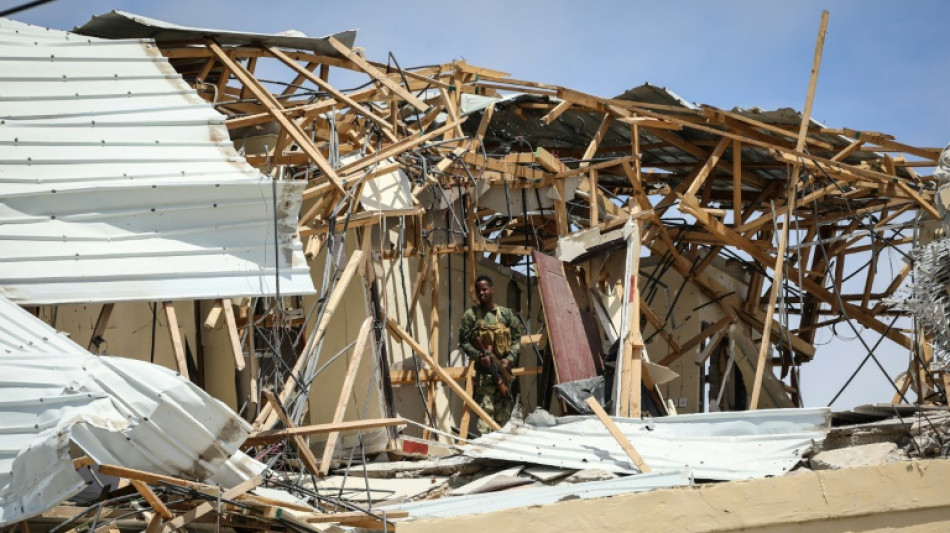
(484, 292)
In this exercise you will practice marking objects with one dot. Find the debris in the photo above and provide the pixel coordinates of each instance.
(863, 455)
(312, 250)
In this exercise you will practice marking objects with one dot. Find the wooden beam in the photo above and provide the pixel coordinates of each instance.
(458, 373)
(716, 327)
(765, 347)
(236, 351)
(404, 336)
(101, 323)
(275, 108)
(618, 436)
(704, 171)
(266, 437)
(631, 367)
(175, 337)
(214, 315)
(267, 417)
(206, 507)
(303, 449)
(558, 110)
(376, 74)
(152, 499)
(362, 341)
(385, 127)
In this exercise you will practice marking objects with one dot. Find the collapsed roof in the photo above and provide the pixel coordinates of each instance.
(392, 198)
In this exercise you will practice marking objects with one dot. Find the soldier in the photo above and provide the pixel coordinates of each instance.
(488, 329)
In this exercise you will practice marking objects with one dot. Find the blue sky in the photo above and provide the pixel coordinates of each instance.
(885, 66)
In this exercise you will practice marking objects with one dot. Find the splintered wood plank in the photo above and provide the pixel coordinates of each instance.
(362, 341)
(618, 436)
(175, 336)
(571, 324)
(736, 182)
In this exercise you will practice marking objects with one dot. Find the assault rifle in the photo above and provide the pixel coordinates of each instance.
(501, 375)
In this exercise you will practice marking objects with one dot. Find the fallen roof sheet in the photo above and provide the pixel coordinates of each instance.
(123, 25)
(119, 183)
(118, 411)
(714, 446)
(509, 499)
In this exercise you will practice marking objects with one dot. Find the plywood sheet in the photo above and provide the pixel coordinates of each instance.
(572, 325)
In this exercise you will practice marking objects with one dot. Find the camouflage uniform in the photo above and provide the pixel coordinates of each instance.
(474, 323)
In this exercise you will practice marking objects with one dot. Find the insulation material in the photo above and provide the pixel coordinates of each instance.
(119, 183)
(117, 411)
(928, 297)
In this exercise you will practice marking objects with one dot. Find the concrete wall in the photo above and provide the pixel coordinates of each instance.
(909, 497)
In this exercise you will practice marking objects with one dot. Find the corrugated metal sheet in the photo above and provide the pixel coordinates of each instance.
(510, 499)
(117, 182)
(715, 446)
(122, 25)
(118, 411)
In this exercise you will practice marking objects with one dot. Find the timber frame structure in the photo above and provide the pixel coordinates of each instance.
(790, 200)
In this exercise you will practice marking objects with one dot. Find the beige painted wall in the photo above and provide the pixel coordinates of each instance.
(908, 497)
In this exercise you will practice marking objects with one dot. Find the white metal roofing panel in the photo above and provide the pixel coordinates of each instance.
(118, 182)
(123, 25)
(715, 446)
(510, 499)
(118, 411)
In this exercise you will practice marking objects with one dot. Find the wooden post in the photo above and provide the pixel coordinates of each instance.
(470, 219)
(175, 337)
(594, 202)
(362, 341)
(470, 390)
(267, 417)
(560, 208)
(736, 183)
(631, 366)
(233, 334)
(252, 369)
(618, 436)
(401, 334)
(100, 328)
(783, 239)
(214, 315)
(433, 338)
